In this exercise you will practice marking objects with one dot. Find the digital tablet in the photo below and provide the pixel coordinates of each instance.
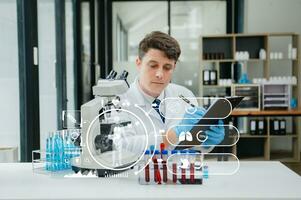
(217, 110)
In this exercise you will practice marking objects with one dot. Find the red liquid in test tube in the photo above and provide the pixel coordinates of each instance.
(174, 172)
(146, 169)
(164, 154)
(183, 175)
(192, 181)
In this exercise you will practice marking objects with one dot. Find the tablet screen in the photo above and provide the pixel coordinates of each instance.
(220, 109)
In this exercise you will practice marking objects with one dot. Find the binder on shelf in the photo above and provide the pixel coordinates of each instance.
(206, 77)
(261, 127)
(274, 127)
(282, 127)
(213, 77)
(253, 126)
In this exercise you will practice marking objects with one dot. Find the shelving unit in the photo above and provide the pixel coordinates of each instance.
(292, 112)
(218, 52)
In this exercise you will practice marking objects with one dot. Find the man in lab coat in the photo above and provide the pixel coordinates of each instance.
(156, 62)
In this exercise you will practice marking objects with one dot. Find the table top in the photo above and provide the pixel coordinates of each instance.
(254, 179)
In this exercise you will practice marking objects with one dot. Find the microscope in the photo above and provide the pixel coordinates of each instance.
(102, 122)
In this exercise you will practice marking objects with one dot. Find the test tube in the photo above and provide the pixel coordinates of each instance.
(152, 148)
(146, 169)
(164, 157)
(174, 168)
(192, 180)
(191, 154)
(162, 148)
(183, 170)
(157, 175)
(205, 172)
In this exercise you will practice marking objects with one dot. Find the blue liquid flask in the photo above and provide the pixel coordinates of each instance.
(48, 154)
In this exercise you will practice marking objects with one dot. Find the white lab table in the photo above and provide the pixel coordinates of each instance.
(260, 180)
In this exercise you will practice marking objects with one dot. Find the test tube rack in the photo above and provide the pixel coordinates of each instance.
(182, 167)
(60, 148)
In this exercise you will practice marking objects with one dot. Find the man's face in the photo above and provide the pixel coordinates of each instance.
(155, 72)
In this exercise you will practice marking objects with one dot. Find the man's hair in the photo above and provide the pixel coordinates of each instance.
(160, 41)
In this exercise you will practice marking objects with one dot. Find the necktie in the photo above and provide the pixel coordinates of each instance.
(155, 105)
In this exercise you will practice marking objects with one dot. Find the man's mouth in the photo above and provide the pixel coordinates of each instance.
(158, 83)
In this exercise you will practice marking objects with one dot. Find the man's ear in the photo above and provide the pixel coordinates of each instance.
(138, 63)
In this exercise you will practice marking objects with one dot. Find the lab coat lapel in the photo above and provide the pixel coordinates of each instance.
(135, 96)
(174, 107)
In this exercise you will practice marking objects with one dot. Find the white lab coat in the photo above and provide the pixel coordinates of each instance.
(172, 107)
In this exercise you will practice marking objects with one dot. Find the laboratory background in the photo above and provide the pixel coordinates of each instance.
(53, 52)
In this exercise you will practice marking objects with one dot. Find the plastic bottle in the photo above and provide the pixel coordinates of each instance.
(67, 156)
(58, 152)
(61, 153)
(262, 54)
(50, 152)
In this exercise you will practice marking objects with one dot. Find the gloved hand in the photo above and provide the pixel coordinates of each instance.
(190, 118)
(215, 134)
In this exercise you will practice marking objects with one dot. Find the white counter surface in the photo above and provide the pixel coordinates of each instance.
(260, 180)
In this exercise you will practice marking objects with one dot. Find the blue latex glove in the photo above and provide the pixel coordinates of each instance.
(190, 118)
(215, 134)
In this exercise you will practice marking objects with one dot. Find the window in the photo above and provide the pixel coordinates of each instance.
(9, 75)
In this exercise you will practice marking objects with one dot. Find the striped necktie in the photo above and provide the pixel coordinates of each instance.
(155, 105)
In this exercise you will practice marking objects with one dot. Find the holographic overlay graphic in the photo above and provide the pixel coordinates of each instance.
(176, 107)
(118, 149)
(201, 136)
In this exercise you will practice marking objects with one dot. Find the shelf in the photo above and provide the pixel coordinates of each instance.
(251, 34)
(275, 105)
(263, 136)
(251, 43)
(248, 136)
(234, 60)
(216, 86)
(282, 136)
(284, 59)
(219, 52)
(255, 60)
(294, 112)
(275, 94)
(250, 60)
(274, 99)
(222, 60)
(284, 34)
(218, 36)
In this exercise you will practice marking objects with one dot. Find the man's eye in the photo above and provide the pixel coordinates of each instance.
(153, 66)
(167, 67)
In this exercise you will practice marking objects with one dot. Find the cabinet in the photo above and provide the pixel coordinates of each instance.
(234, 57)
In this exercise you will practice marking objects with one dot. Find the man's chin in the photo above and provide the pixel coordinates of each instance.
(157, 90)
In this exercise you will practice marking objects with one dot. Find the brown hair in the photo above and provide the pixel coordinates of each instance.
(161, 41)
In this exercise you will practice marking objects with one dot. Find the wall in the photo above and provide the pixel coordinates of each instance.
(273, 16)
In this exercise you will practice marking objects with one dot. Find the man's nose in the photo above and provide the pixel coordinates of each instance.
(159, 74)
